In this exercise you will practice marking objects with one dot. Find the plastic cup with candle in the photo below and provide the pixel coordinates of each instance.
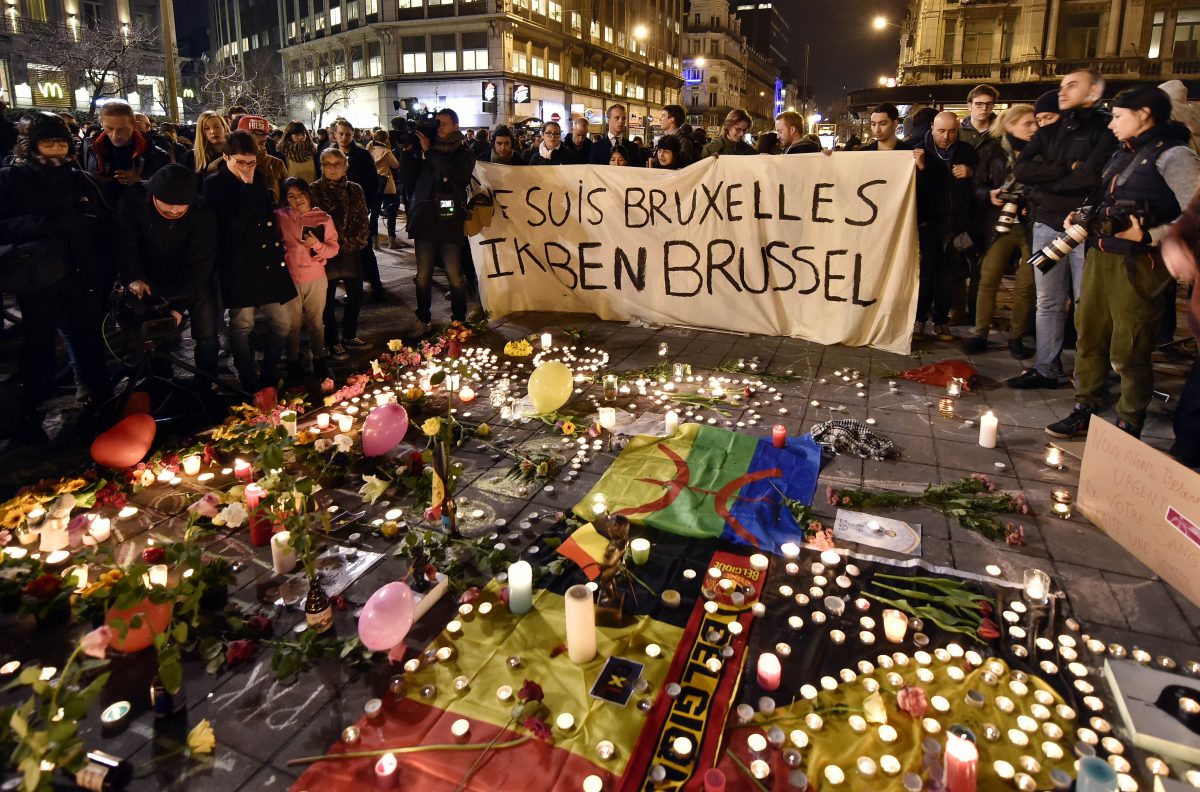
(1037, 586)
(243, 470)
(895, 625)
(385, 771)
(191, 464)
(157, 576)
(989, 429)
(639, 550)
(954, 388)
(961, 764)
(671, 422)
(322, 420)
(287, 419)
(608, 418)
(520, 587)
(1054, 456)
(100, 529)
(283, 556)
(345, 422)
(466, 394)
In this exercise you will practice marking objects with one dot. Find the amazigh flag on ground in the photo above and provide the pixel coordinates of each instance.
(708, 483)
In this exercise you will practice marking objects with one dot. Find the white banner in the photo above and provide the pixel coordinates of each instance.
(819, 247)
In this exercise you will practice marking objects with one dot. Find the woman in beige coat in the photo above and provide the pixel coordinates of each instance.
(388, 202)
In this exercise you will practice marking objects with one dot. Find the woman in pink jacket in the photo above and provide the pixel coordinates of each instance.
(309, 240)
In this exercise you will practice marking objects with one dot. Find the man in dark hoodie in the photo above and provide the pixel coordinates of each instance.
(1061, 169)
(502, 152)
(121, 155)
(167, 248)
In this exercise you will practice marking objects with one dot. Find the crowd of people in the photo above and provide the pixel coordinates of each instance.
(260, 224)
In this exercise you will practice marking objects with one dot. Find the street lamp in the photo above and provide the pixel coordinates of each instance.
(640, 32)
(882, 81)
(880, 22)
(814, 119)
(700, 62)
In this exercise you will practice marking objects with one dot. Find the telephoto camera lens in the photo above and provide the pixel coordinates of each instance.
(1058, 248)
(1008, 216)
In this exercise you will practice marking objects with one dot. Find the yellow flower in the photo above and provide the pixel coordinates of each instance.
(200, 739)
(518, 348)
(72, 485)
(568, 428)
(304, 438)
(431, 427)
(395, 345)
(483, 430)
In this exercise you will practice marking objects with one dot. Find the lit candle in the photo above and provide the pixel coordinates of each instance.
(460, 730)
(520, 587)
(954, 388)
(830, 558)
(759, 562)
(1037, 586)
(779, 435)
(565, 721)
(547, 340)
(682, 747)
(260, 527)
(191, 464)
(769, 671)
(1061, 506)
(345, 423)
(608, 417)
(1054, 456)
(56, 558)
(385, 771)
(1095, 775)
(671, 422)
(322, 420)
(599, 504)
(158, 575)
(80, 574)
(581, 624)
(895, 625)
(989, 428)
(466, 394)
(790, 550)
(100, 529)
(35, 515)
(243, 470)
(962, 757)
(283, 556)
(639, 550)
(287, 419)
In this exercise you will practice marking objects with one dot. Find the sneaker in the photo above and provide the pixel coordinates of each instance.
(1074, 425)
(943, 333)
(1017, 349)
(1030, 379)
(338, 352)
(1129, 429)
(975, 344)
(397, 244)
(356, 343)
(918, 329)
(423, 329)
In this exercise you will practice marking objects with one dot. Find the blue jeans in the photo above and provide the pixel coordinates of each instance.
(428, 250)
(241, 328)
(1053, 288)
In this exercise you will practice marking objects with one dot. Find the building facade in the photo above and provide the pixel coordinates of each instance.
(1029, 45)
(26, 83)
(492, 61)
(722, 71)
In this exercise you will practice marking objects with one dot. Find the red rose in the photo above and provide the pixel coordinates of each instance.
(240, 651)
(260, 625)
(538, 728)
(338, 602)
(154, 555)
(530, 691)
(44, 587)
(988, 630)
(912, 700)
(504, 594)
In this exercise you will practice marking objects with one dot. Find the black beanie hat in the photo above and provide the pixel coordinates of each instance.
(46, 126)
(1047, 103)
(174, 184)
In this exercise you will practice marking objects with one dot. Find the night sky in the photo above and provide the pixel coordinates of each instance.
(847, 53)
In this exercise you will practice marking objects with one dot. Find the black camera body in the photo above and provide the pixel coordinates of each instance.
(1013, 196)
(1120, 218)
(427, 125)
(1061, 246)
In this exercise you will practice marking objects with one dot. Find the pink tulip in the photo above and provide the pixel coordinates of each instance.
(95, 643)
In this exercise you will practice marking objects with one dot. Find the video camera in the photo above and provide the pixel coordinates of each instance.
(147, 320)
(426, 124)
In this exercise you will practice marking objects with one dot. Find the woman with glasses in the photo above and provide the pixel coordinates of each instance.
(732, 139)
(551, 151)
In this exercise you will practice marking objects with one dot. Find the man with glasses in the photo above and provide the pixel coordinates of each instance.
(550, 151)
(274, 169)
(615, 136)
(251, 266)
(980, 104)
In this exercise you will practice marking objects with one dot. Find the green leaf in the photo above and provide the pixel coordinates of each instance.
(180, 632)
(18, 724)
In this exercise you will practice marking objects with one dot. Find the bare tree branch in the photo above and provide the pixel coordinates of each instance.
(322, 77)
(253, 87)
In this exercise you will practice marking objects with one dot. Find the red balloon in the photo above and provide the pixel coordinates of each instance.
(144, 621)
(126, 443)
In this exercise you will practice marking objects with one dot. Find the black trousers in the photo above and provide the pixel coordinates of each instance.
(1187, 420)
(79, 313)
(934, 291)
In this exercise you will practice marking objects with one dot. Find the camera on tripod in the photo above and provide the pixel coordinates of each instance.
(147, 320)
(1012, 195)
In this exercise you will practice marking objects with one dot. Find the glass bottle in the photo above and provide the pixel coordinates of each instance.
(318, 610)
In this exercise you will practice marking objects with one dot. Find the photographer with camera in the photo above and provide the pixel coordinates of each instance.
(1145, 185)
(52, 225)
(1060, 167)
(251, 268)
(440, 172)
(1007, 226)
(167, 248)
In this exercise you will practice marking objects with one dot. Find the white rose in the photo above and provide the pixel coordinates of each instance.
(343, 442)
(233, 515)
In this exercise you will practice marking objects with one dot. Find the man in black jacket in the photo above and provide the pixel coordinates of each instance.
(945, 166)
(121, 155)
(502, 152)
(362, 172)
(615, 136)
(1061, 169)
(440, 171)
(579, 143)
(167, 247)
(885, 120)
(252, 271)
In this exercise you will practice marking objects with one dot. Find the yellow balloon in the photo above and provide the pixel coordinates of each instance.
(550, 386)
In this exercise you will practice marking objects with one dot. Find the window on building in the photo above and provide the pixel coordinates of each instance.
(574, 75)
(712, 99)
(444, 51)
(292, 31)
(1187, 34)
(620, 40)
(714, 47)
(620, 87)
(441, 2)
(35, 10)
(978, 36)
(254, 41)
(94, 12)
(352, 11)
(371, 7)
(1156, 33)
(335, 15)
(538, 6)
(374, 59)
(576, 21)
(608, 34)
(594, 31)
(412, 50)
(403, 4)
(554, 71)
(520, 62)
(537, 67)
(555, 11)
(1081, 36)
(474, 50)
(358, 67)
(1006, 47)
(319, 22)
(695, 100)
(594, 81)
(607, 80)
(948, 36)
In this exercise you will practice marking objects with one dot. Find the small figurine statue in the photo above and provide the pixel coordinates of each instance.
(610, 603)
(54, 535)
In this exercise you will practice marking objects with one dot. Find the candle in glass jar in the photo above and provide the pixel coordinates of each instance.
(547, 340)
(345, 423)
(581, 624)
(283, 556)
(989, 428)
(671, 422)
(608, 417)
(962, 760)
(895, 625)
(1054, 456)
(385, 771)
(769, 671)
(191, 464)
(322, 420)
(779, 435)
(520, 587)
(466, 394)
(243, 470)
(1037, 586)
(954, 388)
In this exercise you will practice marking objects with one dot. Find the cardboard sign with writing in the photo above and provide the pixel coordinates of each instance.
(1146, 501)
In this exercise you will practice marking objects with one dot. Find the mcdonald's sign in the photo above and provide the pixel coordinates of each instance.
(49, 89)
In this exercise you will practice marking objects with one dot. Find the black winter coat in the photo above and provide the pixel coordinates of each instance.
(942, 198)
(251, 266)
(995, 166)
(145, 158)
(577, 154)
(438, 175)
(176, 257)
(362, 172)
(1063, 163)
(63, 207)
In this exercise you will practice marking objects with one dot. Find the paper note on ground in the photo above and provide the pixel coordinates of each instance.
(895, 535)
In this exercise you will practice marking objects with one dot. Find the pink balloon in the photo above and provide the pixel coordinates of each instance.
(384, 429)
(386, 617)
